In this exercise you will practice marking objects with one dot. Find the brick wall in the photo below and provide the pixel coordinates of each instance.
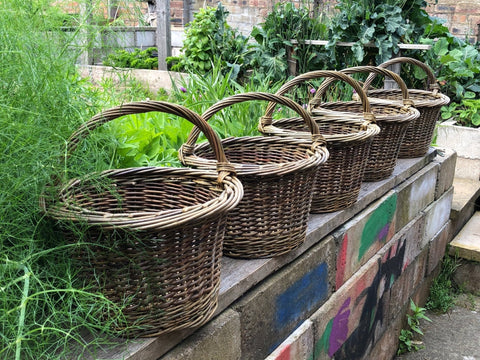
(462, 17)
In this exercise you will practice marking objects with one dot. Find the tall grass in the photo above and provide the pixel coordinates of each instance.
(43, 309)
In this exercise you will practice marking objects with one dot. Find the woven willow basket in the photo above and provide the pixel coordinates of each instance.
(428, 102)
(277, 173)
(155, 241)
(348, 140)
(393, 120)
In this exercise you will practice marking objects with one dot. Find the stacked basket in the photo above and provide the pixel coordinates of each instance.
(392, 118)
(420, 131)
(348, 140)
(153, 237)
(277, 173)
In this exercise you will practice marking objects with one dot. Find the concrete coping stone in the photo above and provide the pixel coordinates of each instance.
(467, 242)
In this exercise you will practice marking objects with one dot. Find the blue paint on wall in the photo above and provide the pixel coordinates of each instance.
(302, 296)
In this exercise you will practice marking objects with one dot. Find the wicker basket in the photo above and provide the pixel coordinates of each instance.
(348, 140)
(155, 243)
(277, 174)
(420, 131)
(392, 118)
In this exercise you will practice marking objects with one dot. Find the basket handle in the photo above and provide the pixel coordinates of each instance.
(224, 168)
(431, 79)
(317, 138)
(378, 70)
(267, 119)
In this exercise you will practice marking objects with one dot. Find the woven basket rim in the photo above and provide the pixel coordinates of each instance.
(226, 200)
(405, 113)
(366, 130)
(420, 98)
(314, 156)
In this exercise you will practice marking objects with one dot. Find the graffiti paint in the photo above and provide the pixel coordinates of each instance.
(378, 225)
(352, 331)
(302, 296)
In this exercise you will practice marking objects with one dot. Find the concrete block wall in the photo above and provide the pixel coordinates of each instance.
(345, 292)
(363, 318)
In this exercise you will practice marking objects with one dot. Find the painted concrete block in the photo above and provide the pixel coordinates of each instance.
(270, 312)
(351, 321)
(364, 235)
(347, 310)
(437, 215)
(415, 194)
(413, 233)
(406, 284)
(298, 346)
(386, 347)
(437, 247)
(204, 344)
(446, 159)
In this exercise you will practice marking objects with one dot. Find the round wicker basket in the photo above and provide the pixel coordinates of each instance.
(152, 237)
(392, 118)
(348, 140)
(419, 134)
(277, 173)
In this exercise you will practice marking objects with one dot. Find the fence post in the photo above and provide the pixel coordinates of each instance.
(164, 42)
(86, 36)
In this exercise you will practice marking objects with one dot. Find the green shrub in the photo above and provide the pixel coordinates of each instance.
(208, 38)
(384, 24)
(273, 39)
(136, 59)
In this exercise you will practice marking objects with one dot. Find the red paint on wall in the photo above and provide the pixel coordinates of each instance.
(341, 263)
(285, 354)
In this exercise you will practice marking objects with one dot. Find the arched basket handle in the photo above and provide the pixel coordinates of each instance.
(267, 120)
(317, 138)
(432, 83)
(375, 70)
(224, 168)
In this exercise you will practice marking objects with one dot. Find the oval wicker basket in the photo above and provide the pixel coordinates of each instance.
(392, 118)
(348, 140)
(153, 236)
(420, 131)
(277, 174)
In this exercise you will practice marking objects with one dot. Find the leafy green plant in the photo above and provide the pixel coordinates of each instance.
(443, 290)
(384, 24)
(457, 65)
(207, 38)
(408, 336)
(136, 59)
(273, 41)
(467, 113)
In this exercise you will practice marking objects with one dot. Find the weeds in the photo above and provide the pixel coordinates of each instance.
(408, 336)
(443, 291)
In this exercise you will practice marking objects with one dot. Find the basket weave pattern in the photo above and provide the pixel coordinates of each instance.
(152, 237)
(420, 131)
(348, 139)
(392, 118)
(277, 173)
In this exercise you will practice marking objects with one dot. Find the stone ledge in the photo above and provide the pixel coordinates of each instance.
(467, 242)
(465, 193)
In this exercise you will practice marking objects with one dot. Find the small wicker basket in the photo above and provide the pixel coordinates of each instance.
(348, 140)
(277, 173)
(392, 118)
(428, 102)
(154, 243)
